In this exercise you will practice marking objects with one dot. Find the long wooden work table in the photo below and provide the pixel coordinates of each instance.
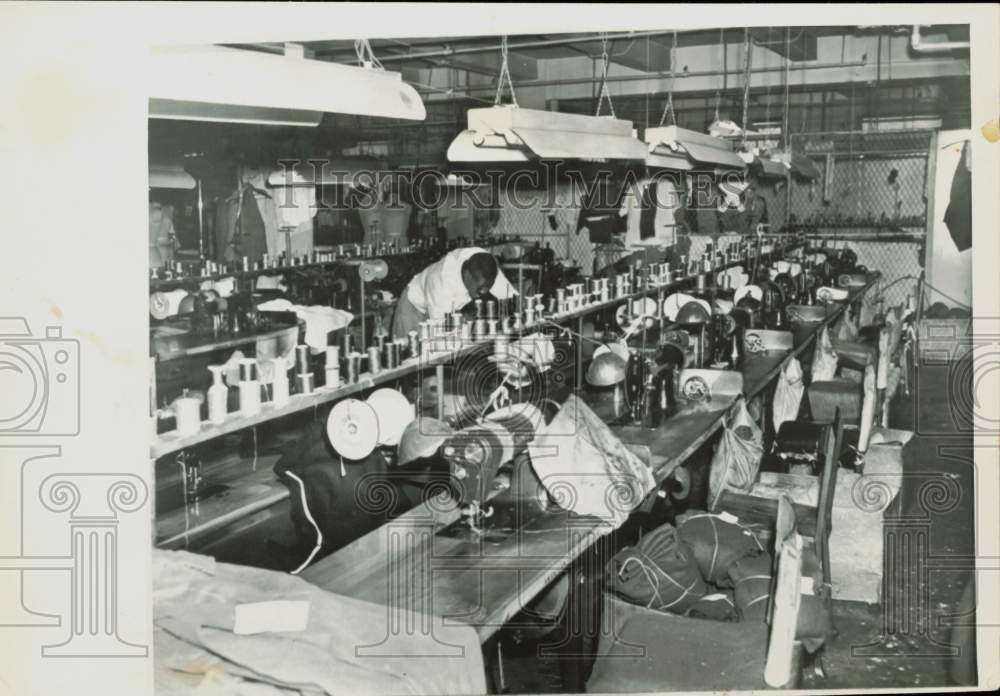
(177, 528)
(422, 561)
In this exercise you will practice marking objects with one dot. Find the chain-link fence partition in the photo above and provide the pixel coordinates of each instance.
(873, 196)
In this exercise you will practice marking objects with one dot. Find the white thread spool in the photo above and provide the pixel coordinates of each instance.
(279, 386)
(249, 389)
(218, 396)
(188, 412)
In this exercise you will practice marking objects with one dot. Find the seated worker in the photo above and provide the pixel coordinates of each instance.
(449, 285)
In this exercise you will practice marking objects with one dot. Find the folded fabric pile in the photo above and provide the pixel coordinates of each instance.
(344, 645)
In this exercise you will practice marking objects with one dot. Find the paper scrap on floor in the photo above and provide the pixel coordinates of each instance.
(343, 650)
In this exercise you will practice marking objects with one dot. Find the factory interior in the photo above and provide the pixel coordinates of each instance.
(604, 362)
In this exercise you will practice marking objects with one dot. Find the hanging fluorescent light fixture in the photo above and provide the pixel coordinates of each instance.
(763, 166)
(799, 165)
(508, 133)
(511, 134)
(215, 83)
(672, 147)
(170, 176)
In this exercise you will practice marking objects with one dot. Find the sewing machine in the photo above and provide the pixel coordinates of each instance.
(489, 459)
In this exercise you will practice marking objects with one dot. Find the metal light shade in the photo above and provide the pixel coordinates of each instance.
(170, 176)
(217, 83)
(693, 313)
(606, 370)
(512, 134)
(671, 147)
(421, 438)
(674, 349)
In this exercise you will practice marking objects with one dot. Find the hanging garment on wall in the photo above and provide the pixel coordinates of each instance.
(647, 212)
(239, 227)
(295, 208)
(756, 212)
(603, 210)
(250, 238)
(958, 216)
(161, 235)
(267, 204)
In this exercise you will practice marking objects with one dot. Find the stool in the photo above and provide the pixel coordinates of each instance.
(827, 397)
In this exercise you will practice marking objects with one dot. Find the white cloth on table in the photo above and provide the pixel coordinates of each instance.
(320, 320)
(438, 289)
(223, 286)
(275, 282)
(586, 468)
(193, 608)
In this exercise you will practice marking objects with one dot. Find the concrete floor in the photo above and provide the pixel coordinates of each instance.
(906, 642)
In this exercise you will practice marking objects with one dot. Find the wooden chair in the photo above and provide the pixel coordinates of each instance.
(812, 522)
(643, 650)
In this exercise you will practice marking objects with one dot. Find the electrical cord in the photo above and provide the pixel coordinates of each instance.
(305, 509)
(925, 295)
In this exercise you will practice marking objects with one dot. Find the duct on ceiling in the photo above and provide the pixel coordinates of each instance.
(512, 134)
(215, 83)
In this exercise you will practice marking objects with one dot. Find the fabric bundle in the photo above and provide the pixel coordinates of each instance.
(752, 578)
(194, 607)
(658, 573)
(717, 542)
(717, 607)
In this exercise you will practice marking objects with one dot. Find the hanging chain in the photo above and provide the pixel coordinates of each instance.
(669, 106)
(605, 94)
(747, 54)
(366, 56)
(767, 93)
(788, 64)
(722, 52)
(504, 75)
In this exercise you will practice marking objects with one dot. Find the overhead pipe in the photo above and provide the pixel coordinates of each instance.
(648, 76)
(916, 43)
(541, 43)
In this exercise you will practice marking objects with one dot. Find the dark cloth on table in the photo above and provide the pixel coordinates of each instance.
(344, 508)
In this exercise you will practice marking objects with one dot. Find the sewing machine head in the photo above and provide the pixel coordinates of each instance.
(477, 454)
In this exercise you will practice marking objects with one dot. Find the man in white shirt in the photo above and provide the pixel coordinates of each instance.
(448, 285)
